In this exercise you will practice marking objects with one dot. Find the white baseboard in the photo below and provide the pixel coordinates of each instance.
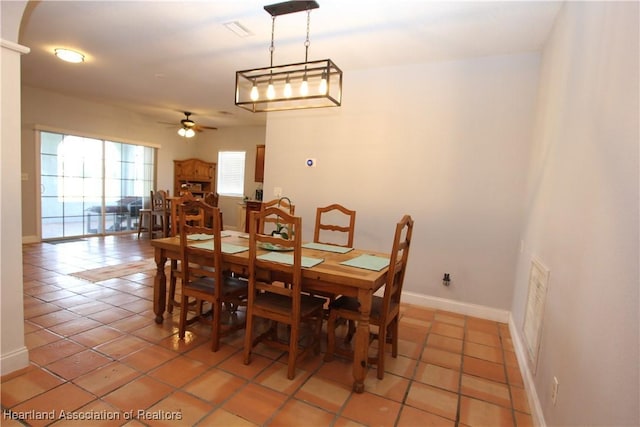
(468, 309)
(532, 394)
(30, 239)
(14, 360)
(497, 315)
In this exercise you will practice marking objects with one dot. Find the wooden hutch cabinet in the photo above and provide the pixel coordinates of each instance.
(199, 176)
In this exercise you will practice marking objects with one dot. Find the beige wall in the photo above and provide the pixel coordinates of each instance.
(582, 216)
(48, 110)
(446, 142)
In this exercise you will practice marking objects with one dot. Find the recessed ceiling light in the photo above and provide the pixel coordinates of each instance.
(69, 55)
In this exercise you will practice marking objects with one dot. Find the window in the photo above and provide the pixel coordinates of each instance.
(231, 173)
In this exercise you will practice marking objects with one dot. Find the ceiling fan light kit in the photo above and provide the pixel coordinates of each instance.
(308, 84)
(186, 132)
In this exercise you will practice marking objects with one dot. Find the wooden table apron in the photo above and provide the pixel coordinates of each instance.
(328, 276)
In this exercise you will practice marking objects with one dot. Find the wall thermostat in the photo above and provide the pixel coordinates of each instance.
(311, 163)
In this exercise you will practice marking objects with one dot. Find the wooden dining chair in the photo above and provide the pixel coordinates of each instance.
(194, 216)
(385, 310)
(159, 213)
(206, 281)
(275, 303)
(269, 223)
(335, 220)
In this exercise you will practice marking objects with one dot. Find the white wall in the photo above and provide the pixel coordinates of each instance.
(13, 352)
(582, 216)
(69, 114)
(446, 143)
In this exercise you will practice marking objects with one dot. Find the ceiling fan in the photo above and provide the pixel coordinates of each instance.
(188, 127)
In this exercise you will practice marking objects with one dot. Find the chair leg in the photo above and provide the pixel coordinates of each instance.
(394, 337)
(318, 333)
(152, 225)
(248, 336)
(331, 337)
(183, 316)
(165, 224)
(172, 285)
(351, 331)
(382, 339)
(216, 306)
(140, 218)
(293, 350)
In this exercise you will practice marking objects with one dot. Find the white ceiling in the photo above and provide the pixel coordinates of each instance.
(159, 58)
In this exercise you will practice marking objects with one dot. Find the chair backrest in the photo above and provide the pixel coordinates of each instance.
(269, 222)
(159, 201)
(211, 199)
(285, 273)
(193, 213)
(334, 219)
(398, 262)
(193, 270)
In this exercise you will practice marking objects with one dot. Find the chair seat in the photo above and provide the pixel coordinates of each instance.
(344, 303)
(282, 304)
(232, 285)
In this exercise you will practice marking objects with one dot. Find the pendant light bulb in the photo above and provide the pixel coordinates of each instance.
(271, 92)
(254, 92)
(304, 87)
(287, 88)
(322, 89)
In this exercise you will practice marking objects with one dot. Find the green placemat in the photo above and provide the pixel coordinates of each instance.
(201, 236)
(327, 248)
(283, 258)
(207, 244)
(369, 262)
(204, 236)
(227, 248)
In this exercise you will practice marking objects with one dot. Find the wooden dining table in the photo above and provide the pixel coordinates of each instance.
(328, 277)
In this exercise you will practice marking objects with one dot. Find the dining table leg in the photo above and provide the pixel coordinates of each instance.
(160, 285)
(361, 348)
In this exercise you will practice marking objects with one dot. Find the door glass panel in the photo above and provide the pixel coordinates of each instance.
(86, 192)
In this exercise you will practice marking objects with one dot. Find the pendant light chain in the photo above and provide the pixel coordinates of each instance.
(272, 47)
(307, 42)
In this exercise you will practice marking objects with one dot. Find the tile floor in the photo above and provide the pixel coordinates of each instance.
(96, 353)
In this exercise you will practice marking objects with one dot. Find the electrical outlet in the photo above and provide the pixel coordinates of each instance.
(554, 391)
(277, 191)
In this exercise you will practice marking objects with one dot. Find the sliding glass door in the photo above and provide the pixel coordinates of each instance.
(92, 186)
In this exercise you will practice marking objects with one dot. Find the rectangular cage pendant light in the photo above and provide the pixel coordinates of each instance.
(309, 84)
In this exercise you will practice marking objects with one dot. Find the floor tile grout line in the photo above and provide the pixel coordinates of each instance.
(506, 375)
(412, 378)
(148, 339)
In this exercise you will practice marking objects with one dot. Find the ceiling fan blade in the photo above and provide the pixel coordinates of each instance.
(200, 128)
